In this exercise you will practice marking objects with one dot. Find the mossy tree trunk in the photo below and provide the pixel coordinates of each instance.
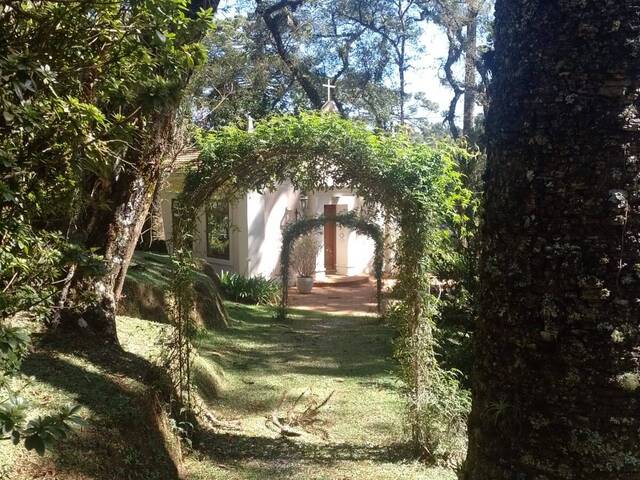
(117, 235)
(557, 385)
(114, 231)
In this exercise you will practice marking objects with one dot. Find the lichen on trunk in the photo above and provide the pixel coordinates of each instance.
(557, 374)
(115, 233)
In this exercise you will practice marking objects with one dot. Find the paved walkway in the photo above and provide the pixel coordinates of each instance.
(341, 300)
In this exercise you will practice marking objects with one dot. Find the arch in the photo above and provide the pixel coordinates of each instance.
(416, 184)
(295, 230)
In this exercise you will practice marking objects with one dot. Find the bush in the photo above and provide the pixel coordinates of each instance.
(303, 257)
(250, 290)
(442, 412)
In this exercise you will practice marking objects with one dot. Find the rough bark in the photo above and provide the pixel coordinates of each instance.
(115, 232)
(470, 54)
(557, 384)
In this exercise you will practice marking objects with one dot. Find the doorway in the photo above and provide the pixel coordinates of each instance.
(330, 239)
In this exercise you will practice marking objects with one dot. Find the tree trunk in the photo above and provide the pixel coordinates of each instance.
(115, 233)
(557, 380)
(470, 53)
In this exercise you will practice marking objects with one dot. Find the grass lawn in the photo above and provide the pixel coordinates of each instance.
(264, 359)
(359, 433)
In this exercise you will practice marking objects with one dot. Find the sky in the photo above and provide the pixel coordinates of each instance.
(426, 72)
(425, 76)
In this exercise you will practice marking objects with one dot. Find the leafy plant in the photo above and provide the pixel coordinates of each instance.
(304, 255)
(38, 433)
(256, 290)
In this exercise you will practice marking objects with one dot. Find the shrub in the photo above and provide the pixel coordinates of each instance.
(442, 412)
(303, 257)
(38, 433)
(250, 290)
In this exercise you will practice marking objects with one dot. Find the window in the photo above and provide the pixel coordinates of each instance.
(175, 206)
(218, 229)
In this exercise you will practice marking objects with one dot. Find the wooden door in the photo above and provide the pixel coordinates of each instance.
(330, 231)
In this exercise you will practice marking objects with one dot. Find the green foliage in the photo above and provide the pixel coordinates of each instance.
(443, 414)
(242, 75)
(14, 343)
(256, 290)
(416, 184)
(178, 348)
(81, 86)
(39, 433)
(276, 59)
(42, 433)
(29, 263)
(80, 83)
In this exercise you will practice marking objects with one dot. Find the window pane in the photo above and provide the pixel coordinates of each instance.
(218, 231)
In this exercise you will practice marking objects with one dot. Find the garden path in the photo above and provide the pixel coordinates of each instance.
(358, 299)
(359, 433)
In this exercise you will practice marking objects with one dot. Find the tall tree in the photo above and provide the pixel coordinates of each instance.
(107, 79)
(397, 23)
(366, 47)
(464, 22)
(470, 54)
(557, 381)
(170, 32)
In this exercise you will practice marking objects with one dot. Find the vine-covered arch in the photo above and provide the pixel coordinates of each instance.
(357, 223)
(415, 184)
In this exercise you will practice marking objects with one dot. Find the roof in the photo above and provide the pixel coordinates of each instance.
(330, 107)
(186, 158)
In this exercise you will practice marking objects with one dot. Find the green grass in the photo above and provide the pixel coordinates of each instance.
(147, 285)
(121, 439)
(253, 362)
(154, 269)
(263, 359)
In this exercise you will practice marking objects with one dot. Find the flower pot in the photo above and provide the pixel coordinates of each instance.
(304, 284)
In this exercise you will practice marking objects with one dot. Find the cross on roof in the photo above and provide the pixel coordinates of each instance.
(329, 87)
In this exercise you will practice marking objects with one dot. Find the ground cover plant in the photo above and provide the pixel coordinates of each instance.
(256, 290)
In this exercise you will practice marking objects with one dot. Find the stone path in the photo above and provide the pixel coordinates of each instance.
(341, 299)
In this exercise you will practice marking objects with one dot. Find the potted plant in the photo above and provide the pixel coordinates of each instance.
(303, 260)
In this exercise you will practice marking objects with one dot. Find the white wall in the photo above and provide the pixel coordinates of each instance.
(354, 252)
(256, 235)
(266, 215)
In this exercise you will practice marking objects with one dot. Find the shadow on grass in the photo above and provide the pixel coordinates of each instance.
(337, 346)
(225, 446)
(121, 440)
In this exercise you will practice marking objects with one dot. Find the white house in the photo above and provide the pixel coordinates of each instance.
(252, 236)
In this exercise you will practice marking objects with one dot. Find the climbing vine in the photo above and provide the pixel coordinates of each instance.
(351, 220)
(415, 184)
